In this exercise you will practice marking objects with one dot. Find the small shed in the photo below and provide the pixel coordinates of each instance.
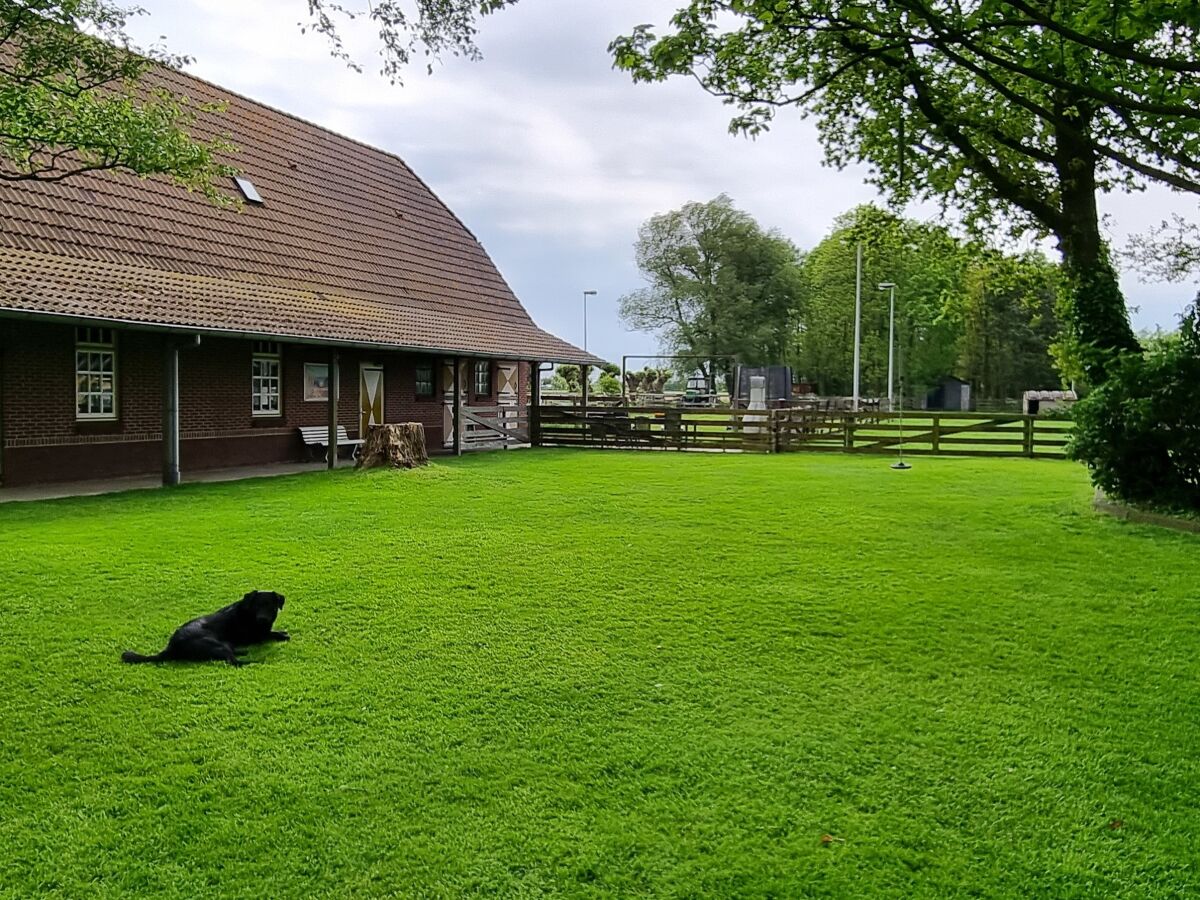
(952, 394)
(1039, 403)
(778, 384)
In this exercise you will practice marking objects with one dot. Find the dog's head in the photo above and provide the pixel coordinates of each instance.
(264, 604)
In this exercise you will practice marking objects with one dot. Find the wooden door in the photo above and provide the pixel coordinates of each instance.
(370, 397)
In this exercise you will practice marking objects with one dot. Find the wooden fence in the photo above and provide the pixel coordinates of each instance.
(790, 430)
(923, 433)
(649, 427)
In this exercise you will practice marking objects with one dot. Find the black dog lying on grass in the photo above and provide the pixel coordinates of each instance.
(217, 636)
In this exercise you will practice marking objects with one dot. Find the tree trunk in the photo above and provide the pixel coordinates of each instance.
(1092, 307)
(398, 446)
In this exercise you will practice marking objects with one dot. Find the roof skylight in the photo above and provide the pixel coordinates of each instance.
(249, 191)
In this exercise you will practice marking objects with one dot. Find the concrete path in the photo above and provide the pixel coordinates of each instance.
(61, 489)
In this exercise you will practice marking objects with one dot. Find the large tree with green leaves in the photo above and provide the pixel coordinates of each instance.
(1007, 320)
(926, 264)
(718, 285)
(1014, 110)
(963, 309)
(73, 99)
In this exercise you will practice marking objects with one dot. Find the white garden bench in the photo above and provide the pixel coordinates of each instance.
(318, 436)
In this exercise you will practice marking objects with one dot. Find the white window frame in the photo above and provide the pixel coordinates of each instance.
(266, 379)
(92, 345)
(482, 366)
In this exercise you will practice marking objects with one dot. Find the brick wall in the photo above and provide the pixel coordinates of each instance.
(523, 371)
(43, 441)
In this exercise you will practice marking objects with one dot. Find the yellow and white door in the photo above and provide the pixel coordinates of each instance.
(370, 397)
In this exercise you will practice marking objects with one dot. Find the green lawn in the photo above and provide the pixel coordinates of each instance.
(607, 674)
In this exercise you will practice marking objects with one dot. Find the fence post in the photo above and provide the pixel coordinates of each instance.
(1029, 426)
(775, 418)
(848, 422)
(936, 433)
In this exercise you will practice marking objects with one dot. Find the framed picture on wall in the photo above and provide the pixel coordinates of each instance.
(316, 381)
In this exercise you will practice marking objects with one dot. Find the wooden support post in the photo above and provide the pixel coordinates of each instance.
(1029, 435)
(334, 382)
(458, 422)
(848, 420)
(936, 433)
(170, 425)
(583, 378)
(535, 403)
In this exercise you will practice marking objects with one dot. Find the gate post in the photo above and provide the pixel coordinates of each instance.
(458, 423)
(331, 460)
(535, 404)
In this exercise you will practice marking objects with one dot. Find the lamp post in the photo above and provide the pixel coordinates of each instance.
(891, 286)
(586, 294)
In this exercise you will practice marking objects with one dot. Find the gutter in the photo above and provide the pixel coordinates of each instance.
(160, 328)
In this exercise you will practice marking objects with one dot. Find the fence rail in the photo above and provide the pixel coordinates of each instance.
(792, 430)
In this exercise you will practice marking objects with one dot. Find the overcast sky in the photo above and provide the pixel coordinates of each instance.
(552, 158)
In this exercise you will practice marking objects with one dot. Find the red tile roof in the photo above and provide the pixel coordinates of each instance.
(350, 246)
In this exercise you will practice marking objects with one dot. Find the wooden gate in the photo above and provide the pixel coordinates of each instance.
(494, 427)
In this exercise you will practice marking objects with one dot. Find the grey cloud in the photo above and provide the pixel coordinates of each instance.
(549, 155)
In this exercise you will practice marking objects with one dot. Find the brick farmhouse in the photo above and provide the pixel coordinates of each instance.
(143, 327)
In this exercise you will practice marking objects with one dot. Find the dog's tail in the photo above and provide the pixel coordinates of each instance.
(130, 657)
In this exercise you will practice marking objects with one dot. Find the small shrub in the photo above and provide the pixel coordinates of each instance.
(1139, 432)
(608, 385)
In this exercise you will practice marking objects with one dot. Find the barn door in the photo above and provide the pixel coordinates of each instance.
(370, 397)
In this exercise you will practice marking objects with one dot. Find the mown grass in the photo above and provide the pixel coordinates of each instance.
(607, 674)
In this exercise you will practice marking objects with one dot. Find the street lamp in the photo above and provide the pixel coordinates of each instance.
(891, 286)
(586, 294)
(858, 269)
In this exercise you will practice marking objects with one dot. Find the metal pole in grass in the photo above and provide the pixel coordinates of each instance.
(858, 257)
(891, 286)
(901, 464)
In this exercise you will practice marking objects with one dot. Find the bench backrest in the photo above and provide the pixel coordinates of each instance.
(319, 434)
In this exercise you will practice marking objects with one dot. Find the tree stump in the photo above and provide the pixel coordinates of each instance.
(399, 446)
